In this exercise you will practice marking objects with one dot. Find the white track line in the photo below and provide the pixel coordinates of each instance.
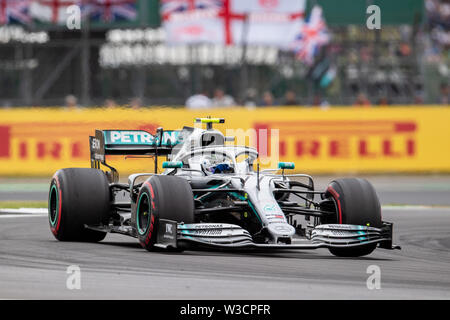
(23, 212)
(22, 215)
(42, 212)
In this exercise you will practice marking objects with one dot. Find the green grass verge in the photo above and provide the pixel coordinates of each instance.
(22, 204)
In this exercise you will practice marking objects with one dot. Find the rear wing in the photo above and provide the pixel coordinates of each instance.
(131, 142)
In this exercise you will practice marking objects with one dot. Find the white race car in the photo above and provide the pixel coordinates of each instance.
(211, 195)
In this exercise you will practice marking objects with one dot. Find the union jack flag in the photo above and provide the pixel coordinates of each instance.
(177, 6)
(313, 35)
(113, 10)
(14, 11)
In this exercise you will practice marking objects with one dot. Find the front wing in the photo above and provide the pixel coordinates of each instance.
(229, 236)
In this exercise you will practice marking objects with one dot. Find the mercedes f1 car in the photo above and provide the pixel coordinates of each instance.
(210, 195)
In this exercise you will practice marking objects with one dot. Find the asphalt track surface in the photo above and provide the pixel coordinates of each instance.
(396, 189)
(33, 264)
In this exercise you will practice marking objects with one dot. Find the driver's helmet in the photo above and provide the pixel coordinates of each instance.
(215, 165)
(224, 167)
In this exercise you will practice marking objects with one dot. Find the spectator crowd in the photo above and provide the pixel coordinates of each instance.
(221, 99)
(267, 99)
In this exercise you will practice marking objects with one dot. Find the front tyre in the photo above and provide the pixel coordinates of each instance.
(78, 197)
(162, 197)
(356, 203)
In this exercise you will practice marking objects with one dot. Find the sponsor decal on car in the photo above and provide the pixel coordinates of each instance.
(139, 137)
(270, 207)
(128, 137)
(206, 232)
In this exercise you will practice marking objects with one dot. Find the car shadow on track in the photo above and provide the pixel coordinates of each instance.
(323, 254)
(122, 244)
(247, 253)
(286, 255)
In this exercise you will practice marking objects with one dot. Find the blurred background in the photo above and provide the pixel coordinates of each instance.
(342, 88)
(224, 52)
(352, 86)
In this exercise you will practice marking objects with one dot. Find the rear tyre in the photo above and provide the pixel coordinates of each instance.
(78, 197)
(162, 197)
(356, 203)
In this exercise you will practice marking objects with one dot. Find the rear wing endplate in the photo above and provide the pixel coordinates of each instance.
(131, 142)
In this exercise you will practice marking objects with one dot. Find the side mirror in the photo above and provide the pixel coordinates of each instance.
(172, 164)
(286, 165)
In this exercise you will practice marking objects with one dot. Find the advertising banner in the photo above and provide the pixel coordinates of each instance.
(40, 141)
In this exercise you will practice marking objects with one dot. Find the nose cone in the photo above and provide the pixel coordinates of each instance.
(281, 230)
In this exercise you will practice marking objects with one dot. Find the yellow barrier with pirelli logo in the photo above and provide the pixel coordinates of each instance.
(39, 141)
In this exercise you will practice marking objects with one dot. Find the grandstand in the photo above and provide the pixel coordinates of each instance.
(127, 55)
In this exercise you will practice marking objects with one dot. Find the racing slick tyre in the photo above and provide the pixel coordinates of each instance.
(356, 203)
(78, 197)
(162, 197)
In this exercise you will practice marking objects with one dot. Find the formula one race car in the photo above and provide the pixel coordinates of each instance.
(210, 195)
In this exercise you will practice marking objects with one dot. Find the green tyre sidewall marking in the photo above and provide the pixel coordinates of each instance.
(55, 219)
(138, 213)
